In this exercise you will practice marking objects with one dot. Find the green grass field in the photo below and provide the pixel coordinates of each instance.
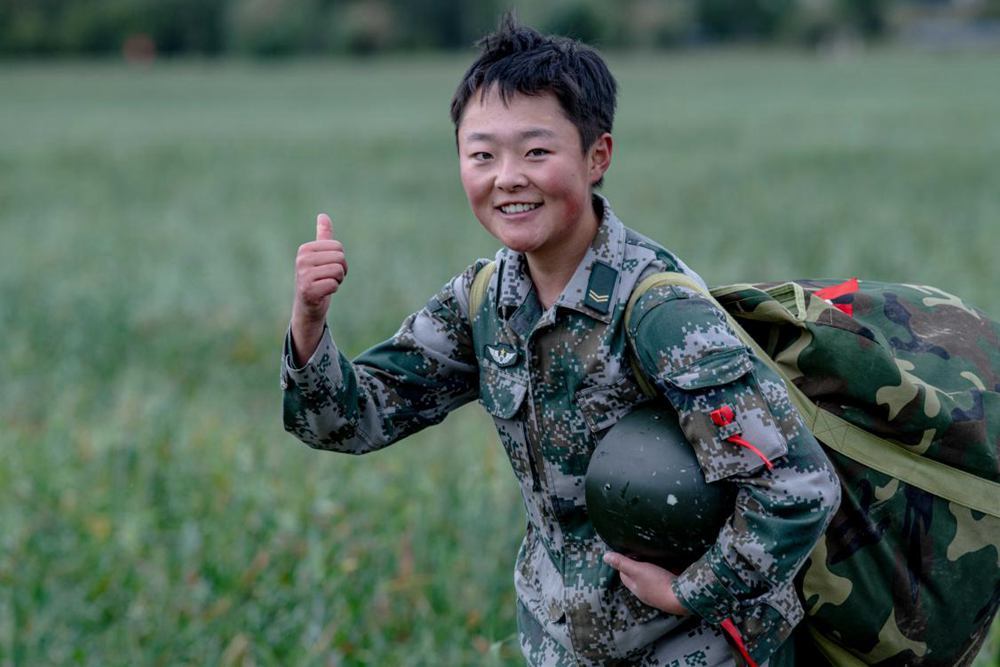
(154, 512)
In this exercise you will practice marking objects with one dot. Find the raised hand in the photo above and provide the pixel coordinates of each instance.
(320, 268)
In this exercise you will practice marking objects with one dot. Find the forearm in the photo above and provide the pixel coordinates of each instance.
(324, 405)
(396, 388)
(306, 334)
(747, 577)
(778, 517)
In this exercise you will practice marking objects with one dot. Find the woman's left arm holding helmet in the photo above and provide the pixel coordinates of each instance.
(736, 414)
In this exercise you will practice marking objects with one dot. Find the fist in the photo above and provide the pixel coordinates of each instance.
(320, 268)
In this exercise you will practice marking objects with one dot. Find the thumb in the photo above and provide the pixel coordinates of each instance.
(324, 227)
(617, 561)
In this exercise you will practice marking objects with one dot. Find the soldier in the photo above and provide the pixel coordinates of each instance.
(546, 352)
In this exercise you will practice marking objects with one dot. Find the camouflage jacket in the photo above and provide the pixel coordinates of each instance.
(554, 381)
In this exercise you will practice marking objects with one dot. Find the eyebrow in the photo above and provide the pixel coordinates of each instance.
(532, 133)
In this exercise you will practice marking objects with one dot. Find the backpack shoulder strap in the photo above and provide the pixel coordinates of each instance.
(477, 290)
(660, 279)
(842, 436)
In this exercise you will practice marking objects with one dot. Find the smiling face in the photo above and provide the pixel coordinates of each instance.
(527, 177)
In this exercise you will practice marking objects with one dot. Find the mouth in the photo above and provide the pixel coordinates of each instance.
(519, 207)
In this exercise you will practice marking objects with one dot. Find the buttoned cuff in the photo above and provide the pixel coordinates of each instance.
(709, 588)
(292, 375)
(764, 620)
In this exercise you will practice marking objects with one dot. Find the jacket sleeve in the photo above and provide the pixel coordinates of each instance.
(787, 490)
(413, 380)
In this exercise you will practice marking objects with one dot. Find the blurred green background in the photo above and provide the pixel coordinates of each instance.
(154, 512)
(274, 28)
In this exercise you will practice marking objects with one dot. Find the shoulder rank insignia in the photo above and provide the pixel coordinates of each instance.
(599, 288)
(502, 354)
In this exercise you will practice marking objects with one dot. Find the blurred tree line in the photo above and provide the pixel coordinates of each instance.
(285, 27)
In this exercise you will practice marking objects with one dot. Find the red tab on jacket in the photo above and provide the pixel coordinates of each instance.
(725, 416)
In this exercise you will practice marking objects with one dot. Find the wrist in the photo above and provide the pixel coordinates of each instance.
(308, 317)
(674, 602)
(306, 336)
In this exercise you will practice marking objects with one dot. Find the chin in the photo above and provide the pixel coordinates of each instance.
(517, 247)
(511, 238)
(517, 243)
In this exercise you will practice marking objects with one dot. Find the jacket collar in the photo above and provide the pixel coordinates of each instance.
(593, 288)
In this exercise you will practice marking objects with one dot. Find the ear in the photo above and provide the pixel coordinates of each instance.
(599, 157)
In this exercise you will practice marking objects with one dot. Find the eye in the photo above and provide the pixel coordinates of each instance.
(481, 156)
(538, 152)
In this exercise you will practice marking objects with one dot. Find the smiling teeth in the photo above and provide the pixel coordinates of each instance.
(518, 208)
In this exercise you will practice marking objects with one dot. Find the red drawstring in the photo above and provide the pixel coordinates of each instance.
(736, 640)
(725, 416)
(737, 440)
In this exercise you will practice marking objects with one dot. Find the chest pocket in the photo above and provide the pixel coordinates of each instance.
(603, 405)
(501, 390)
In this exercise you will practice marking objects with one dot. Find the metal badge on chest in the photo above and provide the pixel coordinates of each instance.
(502, 354)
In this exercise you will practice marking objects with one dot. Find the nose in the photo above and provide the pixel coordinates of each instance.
(510, 176)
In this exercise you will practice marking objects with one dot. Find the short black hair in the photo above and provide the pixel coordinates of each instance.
(519, 59)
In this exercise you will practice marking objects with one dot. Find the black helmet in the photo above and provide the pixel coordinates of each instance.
(646, 494)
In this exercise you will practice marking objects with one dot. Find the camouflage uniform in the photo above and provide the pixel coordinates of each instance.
(554, 381)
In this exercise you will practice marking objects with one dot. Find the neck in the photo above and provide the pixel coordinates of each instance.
(551, 271)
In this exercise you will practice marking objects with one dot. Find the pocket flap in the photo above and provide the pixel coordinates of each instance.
(713, 369)
(501, 392)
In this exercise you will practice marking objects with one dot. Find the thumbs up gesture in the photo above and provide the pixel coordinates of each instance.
(320, 268)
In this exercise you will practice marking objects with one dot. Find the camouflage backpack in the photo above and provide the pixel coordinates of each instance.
(901, 384)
